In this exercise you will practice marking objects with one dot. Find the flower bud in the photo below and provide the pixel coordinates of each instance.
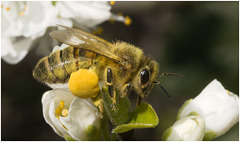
(218, 107)
(190, 128)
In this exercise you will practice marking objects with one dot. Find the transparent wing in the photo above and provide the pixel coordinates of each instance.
(80, 39)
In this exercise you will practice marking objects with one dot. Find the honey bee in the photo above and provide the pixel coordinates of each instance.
(120, 65)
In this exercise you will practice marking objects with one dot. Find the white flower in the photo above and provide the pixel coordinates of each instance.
(190, 128)
(69, 115)
(218, 107)
(88, 14)
(22, 23)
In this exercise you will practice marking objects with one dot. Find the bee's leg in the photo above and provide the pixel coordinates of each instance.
(109, 82)
(127, 89)
(111, 89)
(139, 100)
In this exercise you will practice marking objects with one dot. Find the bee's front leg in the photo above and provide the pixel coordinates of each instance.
(111, 90)
(110, 82)
(126, 90)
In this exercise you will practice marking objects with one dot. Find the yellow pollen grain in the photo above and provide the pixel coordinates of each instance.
(7, 8)
(1, 6)
(128, 21)
(112, 2)
(21, 13)
(65, 112)
(25, 7)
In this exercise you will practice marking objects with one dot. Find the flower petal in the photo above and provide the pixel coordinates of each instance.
(82, 113)
(15, 49)
(190, 128)
(87, 14)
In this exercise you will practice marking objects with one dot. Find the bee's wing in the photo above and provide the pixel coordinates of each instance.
(86, 41)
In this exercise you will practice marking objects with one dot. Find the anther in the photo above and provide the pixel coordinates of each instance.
(7, 8)
(128, 21)
(21, 13)
(64, 112)
(111, 2)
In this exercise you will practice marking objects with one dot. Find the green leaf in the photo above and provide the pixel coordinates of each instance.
(143, 116)
(118, 109)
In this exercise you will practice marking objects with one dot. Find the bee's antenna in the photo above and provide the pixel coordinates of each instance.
(172, 74)
(169, 97)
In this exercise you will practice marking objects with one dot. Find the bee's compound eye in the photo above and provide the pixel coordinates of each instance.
(144, 76)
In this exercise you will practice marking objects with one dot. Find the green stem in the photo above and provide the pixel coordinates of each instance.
(105, 128)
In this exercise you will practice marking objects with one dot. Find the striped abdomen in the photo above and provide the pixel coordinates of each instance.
(58, 66)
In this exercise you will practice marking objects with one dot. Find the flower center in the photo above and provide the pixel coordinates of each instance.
(62, 111)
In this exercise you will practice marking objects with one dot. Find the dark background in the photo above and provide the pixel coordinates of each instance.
(197, 39)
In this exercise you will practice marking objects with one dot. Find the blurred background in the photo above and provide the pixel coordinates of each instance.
(197, 39)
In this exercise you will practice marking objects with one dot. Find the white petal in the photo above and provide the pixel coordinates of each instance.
(85, 13)
(38, 17)
(81, 114)
(190, 128)
(14, 50)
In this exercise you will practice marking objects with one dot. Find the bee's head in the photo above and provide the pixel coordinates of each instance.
(146, 75)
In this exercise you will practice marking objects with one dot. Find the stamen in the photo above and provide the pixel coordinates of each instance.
(21, 13)
(61, 123)
(62, 104)
(112, 2)
(58, 110)
(7, 8)
(65, 112)
(128, 21)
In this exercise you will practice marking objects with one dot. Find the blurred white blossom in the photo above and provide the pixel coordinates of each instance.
(70, 116)
(24, 22)
(190, 128)
(218, 107)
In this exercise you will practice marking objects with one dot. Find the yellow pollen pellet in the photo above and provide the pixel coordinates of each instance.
(64, 112)
(7, 8)
(84, 83)
(112, 2)
(21, 13)
(128, 21)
